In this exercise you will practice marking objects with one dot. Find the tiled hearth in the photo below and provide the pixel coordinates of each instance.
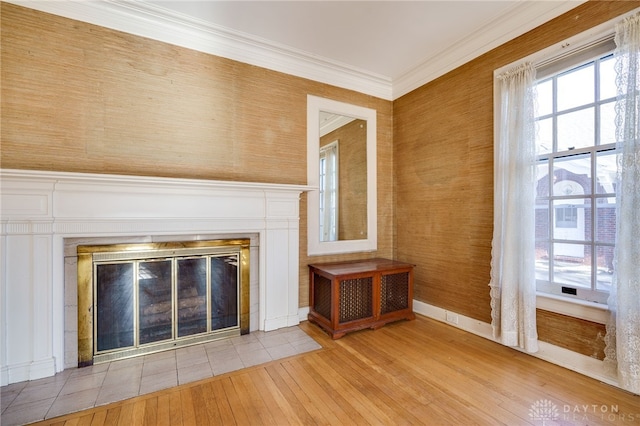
(81, 388)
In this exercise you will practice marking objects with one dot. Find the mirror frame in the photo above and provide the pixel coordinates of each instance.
(315, 246)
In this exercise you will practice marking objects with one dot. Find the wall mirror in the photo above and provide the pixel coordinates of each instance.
(341, 169)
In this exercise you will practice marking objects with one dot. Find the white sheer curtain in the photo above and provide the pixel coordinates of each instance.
(513, 281)
(622, 353)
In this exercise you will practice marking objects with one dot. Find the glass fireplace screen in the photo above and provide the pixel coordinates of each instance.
(148, 301)
(168, 299)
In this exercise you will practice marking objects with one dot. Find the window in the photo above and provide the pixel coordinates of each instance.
(329, 192)
(576, 167)
(566, 217)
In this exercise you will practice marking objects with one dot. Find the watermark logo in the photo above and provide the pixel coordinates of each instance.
(544, 410)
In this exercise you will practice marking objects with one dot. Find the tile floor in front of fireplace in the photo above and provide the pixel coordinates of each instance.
(77, 389)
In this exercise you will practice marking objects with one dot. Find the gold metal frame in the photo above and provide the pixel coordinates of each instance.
(85, 282)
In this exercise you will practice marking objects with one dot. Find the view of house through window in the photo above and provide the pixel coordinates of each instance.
(575, 193)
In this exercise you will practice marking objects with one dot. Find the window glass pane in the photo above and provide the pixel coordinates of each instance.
(544, 98)
(576, 88)
(114, 313)
(606, 220)
(192, 296)
(571, 219)
(542, 177)
(154, 301)
(542, 261)
(542, 220)
(544, 136)
(605, 268)
(606, 170)
(576, 129)
(607, 78)
(575, 193)
(224, 292)
(572, 175)
(571, 265)
(607, 123)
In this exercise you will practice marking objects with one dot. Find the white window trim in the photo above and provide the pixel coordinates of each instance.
(577, 308)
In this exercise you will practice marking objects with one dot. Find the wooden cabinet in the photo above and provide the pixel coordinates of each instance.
(349, 296)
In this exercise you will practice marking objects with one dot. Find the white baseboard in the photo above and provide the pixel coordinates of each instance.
(4, 375)
(27, 371)
(281, 322)
(303, 313)
(574, 361)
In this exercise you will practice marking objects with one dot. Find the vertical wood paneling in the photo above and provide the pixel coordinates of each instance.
(443, 170)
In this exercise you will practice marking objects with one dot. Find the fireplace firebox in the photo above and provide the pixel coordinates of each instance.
(136, 299)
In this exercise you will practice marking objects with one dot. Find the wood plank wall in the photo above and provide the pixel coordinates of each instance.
(81, 98)
(443, 170)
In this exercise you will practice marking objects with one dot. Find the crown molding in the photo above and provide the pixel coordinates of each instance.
(330, 122)
(146, 19)
(523, 17)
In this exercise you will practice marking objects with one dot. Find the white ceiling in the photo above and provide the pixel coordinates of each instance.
(382, 48)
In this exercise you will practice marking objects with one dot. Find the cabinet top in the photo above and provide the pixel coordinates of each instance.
(360, 266)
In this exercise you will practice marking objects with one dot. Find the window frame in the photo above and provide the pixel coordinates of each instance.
(560, 303)
(590, 200)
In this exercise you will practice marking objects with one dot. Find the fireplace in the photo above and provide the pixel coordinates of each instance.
(46, 215)
(135, 299)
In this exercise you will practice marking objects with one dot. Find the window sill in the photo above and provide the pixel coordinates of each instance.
(589, 311)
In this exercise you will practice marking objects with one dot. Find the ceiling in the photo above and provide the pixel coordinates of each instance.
(382, 48)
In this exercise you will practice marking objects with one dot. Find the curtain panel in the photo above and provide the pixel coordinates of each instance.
(513, 281)
(622, 352)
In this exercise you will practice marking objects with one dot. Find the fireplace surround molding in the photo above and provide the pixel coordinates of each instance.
(40, 211)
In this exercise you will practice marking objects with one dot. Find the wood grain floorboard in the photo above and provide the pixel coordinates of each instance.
(418, 372)
(305, 410)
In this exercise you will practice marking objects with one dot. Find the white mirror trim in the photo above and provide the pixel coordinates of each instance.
(315, 246)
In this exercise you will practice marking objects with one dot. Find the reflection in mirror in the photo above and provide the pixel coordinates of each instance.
(343, 177)
(329, 191)
(341, 151)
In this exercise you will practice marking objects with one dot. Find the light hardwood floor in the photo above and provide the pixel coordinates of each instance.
(409, 372)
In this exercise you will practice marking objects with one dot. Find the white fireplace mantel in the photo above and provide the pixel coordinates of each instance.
(39, 210)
